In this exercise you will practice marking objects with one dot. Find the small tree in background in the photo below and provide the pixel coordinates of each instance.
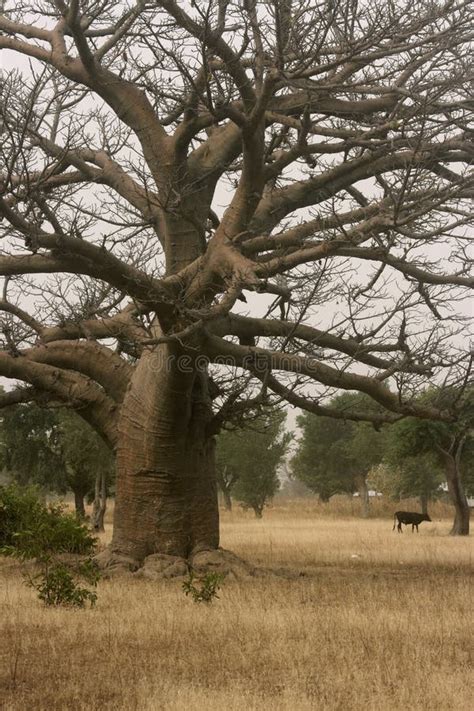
(226, 480)
(228, 464)
(29, 452)
(363, 449)
(54, 449)
(254, 454)
(317, 462)
(414, 444)
(334, 456)
(418, 476)
(89, 464)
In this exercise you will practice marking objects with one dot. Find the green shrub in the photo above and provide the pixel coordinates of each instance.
(32, 530)
(19, 509)
(30, 527)
(57, 583)
(203, 589)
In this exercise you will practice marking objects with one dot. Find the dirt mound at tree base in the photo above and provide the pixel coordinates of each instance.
(159, 566)
(224, 562)
(112, 564)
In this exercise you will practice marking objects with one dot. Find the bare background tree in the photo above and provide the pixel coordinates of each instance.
(161, 158)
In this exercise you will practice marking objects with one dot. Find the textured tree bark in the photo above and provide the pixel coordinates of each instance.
(361, 483)
(166, 499)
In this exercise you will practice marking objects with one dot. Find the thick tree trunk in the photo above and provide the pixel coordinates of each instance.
(361, 483)
(100, 503)
(166, 499)
(79, 504)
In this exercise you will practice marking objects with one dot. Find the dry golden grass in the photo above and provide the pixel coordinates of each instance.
(386, 630)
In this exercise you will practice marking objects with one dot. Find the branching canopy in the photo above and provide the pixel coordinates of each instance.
(163, 160)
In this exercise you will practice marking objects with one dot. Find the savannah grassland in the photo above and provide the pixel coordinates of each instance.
(363, 619)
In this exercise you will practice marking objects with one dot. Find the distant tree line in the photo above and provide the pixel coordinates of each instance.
(409, 458)
(59, 452)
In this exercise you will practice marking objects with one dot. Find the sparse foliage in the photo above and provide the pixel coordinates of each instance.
(203, 589)
(59, 583)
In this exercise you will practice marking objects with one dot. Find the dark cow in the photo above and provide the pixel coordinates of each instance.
(408, 517)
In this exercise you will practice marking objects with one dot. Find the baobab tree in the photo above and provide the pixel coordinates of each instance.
(164, 160)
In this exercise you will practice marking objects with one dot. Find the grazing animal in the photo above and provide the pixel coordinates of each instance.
(408, 517)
